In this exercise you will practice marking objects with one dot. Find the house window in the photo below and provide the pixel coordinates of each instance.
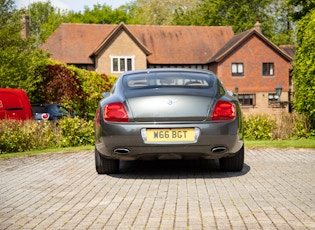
(268, 69)
(237, 69)
(247, 99)
(272, 97)
(122, 64)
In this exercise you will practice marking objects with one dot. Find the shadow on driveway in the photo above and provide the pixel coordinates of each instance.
(166, 169)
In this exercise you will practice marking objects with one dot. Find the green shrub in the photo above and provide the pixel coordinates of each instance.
(20, 136)
(93, 85)
(302, 127)
(76, 131)
(259, 127)
(282, 126)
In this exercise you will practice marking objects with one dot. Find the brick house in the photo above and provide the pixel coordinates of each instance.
(249, 64)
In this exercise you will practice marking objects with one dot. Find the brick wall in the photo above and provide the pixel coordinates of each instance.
(253, 53)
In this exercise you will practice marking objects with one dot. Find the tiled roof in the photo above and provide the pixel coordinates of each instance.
(182, 44)
(289, 49)
(76, 43)
(240, 38)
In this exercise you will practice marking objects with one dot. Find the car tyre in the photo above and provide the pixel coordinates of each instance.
(105, 166)
(234, 163)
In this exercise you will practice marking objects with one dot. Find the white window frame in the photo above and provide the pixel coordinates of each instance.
(237, 69)
(119, 58)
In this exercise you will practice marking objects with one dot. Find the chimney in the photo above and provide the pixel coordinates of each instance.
(258, 26)
(25, 26)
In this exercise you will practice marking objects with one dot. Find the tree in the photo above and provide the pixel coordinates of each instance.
(44, 19)
(281, 25)
(301, 8)
(304, 68)
(20, 61)
(241, 15)
(100, 14)
(155, 12)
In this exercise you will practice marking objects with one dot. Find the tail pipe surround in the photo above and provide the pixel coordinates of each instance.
(219, 149)
(121, 151)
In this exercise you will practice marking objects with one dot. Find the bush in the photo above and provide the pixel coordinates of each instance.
(77, 89)
(93, 85)
(20, 136)
(302, 127)
(76, 131)
(259, 127)
(277, 126)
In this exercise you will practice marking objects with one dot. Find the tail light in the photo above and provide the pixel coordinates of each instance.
(115, 112)
(45, 116)
(223, 111)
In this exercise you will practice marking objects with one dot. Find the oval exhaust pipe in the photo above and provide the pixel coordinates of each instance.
(121, 151)
(218, 149)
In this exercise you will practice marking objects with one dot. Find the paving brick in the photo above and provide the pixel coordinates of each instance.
(275, 190)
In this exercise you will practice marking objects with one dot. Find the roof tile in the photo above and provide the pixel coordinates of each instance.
(74, 43)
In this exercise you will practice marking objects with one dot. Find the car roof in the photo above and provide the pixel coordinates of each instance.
(169, 70)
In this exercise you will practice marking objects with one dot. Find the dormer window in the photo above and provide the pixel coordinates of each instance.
(120, 64)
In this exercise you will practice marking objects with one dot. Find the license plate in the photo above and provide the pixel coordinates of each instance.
(171, 135)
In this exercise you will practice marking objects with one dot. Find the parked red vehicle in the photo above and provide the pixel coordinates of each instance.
(14, 104)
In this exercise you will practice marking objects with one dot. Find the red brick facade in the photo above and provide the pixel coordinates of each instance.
(253, 53)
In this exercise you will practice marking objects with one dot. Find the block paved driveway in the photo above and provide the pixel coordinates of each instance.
(275, 190)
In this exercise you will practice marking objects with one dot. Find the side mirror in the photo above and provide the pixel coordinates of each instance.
(230, 93)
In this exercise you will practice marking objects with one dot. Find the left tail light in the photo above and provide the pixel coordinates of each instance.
(223, 111)
(115, 112)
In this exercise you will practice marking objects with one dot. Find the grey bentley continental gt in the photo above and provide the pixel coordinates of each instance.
(168, 114)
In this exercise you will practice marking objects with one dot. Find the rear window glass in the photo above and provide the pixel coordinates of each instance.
(168, 79)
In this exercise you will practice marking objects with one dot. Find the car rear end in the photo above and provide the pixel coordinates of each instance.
(166, 115)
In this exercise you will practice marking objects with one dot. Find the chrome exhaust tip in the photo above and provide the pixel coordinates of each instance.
(218, 149)
(121, 151)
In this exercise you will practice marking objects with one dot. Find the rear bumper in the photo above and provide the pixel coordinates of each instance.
(124, 142)
(167, 152)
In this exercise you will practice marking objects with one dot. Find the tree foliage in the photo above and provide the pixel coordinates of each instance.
(301, 8)
(45, 19)
(304, 68)
(20, 61)
(280, 25)
(99, 14)
(155, 12)
(241, 15)
(61, 86)
(78, 90)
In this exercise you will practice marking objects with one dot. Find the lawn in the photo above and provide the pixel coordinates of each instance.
(302, 143)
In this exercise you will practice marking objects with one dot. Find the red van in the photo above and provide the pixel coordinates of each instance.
(14, 104)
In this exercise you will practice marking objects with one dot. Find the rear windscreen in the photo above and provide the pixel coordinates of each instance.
(169, 79)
